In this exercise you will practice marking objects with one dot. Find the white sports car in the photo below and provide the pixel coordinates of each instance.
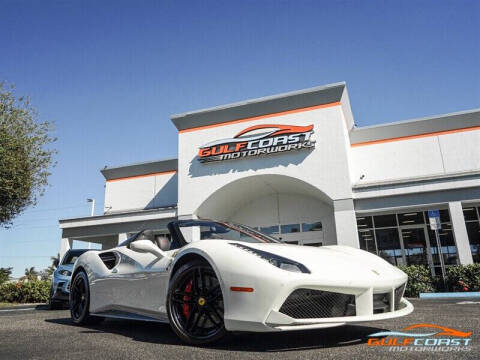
(208, 277)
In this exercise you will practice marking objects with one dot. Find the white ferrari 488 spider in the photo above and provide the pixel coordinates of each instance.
(208, 277)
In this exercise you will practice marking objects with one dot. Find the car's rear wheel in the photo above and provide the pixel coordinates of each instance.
(80, 300)
(195, 304)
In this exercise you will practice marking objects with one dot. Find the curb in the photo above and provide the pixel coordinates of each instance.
(23, 306)
(450, 295)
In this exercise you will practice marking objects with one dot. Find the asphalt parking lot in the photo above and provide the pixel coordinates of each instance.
(42, 334)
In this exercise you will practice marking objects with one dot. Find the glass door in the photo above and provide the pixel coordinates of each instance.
(417, 246)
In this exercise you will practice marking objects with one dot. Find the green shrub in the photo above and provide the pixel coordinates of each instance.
(419, 280)
(25, 292)
(464, 277)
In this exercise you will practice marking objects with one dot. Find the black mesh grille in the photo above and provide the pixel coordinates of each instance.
(398, 296)
(306, 304)
(381, 303)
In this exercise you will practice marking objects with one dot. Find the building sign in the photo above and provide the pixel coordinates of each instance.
(434, 218)
(258, 140)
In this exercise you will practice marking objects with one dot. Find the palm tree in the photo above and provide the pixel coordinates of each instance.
(45, 274)
(5, 274)
(30, 274)
(55, 261)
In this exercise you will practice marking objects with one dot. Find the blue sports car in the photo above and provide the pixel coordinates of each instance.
(60, 290)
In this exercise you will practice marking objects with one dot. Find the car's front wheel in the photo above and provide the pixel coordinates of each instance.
(195, 304)
(54, 304)
(80, 300)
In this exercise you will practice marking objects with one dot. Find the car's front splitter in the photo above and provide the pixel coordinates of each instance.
(277, 321)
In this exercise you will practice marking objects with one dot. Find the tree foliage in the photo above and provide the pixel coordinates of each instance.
(5, 274)
(48, 272)
(419, 280)
(464, 278)
(30, 274)
(55, 261)
(25, 155)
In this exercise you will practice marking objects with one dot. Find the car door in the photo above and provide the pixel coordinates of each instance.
(141, 281)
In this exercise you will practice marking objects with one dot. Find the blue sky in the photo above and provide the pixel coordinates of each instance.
(110, 73)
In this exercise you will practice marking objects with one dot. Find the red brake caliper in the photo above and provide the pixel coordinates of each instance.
(188, 290)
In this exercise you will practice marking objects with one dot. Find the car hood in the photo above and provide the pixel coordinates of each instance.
(341, 260)
(68, 267)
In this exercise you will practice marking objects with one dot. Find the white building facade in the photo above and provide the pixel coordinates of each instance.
(295, 166)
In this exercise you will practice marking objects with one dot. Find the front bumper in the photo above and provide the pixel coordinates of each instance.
(262, 311)
(61, 288)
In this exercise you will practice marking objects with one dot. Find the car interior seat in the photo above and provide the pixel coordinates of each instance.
(163, 242)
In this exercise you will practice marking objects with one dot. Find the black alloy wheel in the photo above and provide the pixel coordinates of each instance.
(195, 304)
(80, 300)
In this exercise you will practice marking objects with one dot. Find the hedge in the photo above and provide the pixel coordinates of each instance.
(419, 280)
(458, 278)
(464, 277)
(25, 292)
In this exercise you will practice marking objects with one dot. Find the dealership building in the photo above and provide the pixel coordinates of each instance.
(297, 167)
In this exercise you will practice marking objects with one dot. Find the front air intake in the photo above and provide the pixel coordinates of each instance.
(398, 296)
(309, 304)
(381, 303)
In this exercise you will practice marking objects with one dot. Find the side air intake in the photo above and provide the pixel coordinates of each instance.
(109, 259)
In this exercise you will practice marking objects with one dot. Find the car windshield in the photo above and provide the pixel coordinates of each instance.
(211, 230)
(72, 256)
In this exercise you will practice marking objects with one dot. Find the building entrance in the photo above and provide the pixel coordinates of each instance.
(416, 246)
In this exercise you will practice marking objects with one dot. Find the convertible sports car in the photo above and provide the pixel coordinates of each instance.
(208, 277)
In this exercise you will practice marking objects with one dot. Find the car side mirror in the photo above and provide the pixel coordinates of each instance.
(145, 246)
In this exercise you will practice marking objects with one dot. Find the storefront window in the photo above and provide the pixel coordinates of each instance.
(270, 230)
(290, 228)
(388, 245)
(385, 220)
(367, 240)
(411, 218)
(447, 241)
(415, 246)
(364, 222)
(470, 214)
(473, 230)
(316, 226)
(386, 235)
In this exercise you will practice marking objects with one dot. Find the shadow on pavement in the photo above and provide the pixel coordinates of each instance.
(159, 333)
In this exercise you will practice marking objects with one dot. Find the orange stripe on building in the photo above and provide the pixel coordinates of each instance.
(323, 106)
(142, 176)
(401, 138)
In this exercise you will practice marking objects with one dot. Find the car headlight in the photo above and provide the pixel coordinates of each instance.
(65, 272)
(275, 260)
